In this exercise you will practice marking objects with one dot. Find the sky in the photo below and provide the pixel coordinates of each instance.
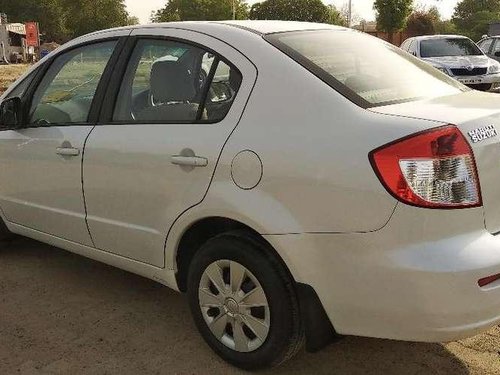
(362, 8)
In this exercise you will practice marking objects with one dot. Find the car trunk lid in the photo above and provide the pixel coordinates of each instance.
(477, 115)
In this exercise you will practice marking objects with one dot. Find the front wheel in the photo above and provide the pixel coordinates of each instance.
(244, 303)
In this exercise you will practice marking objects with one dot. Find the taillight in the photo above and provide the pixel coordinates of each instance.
(433, 169)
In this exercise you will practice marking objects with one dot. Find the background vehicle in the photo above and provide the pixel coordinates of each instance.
(491, 47)
(457, 56)
(294, 193)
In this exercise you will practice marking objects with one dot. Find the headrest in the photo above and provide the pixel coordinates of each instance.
(171, 82)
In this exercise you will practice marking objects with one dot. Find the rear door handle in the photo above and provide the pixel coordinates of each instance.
(191, 161)
(67, 151)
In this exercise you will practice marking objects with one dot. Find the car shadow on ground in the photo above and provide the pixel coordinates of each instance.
(62, 313)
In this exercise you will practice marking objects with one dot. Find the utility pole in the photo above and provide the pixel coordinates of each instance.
(349, 14)
(234, 9)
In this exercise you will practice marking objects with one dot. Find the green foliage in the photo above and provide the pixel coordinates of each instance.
(422, 22)
(472, 17)
(295, 10)
(392, 15)
(61, 20)
(133, 20)
(335, 17)
(200, 10)
(446, 27)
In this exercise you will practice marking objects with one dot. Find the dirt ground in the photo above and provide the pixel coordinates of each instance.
(64, 314)
(9, 73)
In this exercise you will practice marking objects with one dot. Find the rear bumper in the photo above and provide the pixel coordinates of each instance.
(407, 281)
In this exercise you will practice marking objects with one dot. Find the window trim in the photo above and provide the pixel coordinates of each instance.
(96, 104)
(111, 98)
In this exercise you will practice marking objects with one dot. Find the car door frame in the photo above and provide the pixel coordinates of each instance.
(246, 67)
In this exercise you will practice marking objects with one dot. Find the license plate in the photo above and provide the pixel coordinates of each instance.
(470, 81)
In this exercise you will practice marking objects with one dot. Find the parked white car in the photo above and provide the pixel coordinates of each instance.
(457, 56)
(301, 195)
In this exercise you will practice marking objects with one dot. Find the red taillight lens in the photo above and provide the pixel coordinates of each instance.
(488, 280)
(433, 169)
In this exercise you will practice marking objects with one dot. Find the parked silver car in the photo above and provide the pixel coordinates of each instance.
(457, 56)
(294, 193)
(490, 45)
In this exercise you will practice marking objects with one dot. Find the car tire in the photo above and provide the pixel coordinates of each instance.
(222, 257)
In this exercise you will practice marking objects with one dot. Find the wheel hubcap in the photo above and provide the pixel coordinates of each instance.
(234, 305)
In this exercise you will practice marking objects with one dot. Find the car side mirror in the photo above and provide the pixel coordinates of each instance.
(10, 113)
(497, 53)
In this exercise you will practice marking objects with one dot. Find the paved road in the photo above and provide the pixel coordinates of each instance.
(61, 313)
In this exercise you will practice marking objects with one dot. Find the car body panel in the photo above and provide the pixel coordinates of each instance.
(397, 285)
(133, 197)
(41, 189)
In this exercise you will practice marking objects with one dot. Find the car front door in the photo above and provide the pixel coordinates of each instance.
(180, 95)
(40, 173)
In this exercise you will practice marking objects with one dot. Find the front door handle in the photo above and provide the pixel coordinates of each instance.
(67, 151)
(191, 161)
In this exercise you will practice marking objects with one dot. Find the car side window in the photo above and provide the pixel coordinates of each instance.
(65, 94)
(169, 81)
(485, 45)
(496, 46)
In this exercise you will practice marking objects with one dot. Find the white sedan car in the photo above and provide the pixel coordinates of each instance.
(299, 197)
(458, 57)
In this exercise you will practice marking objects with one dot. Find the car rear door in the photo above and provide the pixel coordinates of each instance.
(155, 151)
(40, 173)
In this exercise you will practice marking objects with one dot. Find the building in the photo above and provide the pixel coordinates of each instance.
(18, 41)
(371, 28)
(494, 28)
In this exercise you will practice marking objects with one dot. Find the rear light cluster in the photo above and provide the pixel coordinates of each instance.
(432, 169)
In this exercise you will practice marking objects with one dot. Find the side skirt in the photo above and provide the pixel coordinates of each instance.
(161, 275)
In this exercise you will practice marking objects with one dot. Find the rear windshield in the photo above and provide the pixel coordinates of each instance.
(363, 68)
(448, 47)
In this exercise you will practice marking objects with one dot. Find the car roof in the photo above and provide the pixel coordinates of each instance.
(254, 26)
(424, 37)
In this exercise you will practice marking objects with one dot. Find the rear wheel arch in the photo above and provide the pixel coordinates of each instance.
(203, 230)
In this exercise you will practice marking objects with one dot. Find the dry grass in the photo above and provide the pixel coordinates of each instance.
(9, 73)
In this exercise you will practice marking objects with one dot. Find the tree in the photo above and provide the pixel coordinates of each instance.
(133, 20)
(48, 13)
(85, 16)
(61, 20)
(295, 10)
(392, 15)
(335, 17)
(472, 17)
(422, 22)
(200, 10)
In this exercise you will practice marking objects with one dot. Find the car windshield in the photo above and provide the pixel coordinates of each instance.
(365, 69)
(448, 47)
